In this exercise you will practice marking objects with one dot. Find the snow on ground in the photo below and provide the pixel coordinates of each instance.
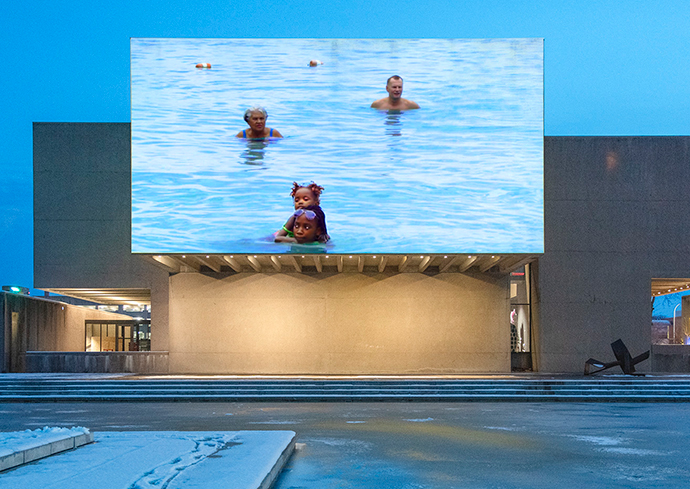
(15, 441)
(155, 459)
(599, 440)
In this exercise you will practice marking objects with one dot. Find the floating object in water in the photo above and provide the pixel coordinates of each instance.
(204, 65)
(315, 62)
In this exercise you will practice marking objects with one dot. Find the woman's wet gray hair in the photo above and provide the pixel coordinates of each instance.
(256, 108)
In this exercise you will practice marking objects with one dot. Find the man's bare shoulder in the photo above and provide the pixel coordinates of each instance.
(380, 103)
(385, 104)
(410, 104)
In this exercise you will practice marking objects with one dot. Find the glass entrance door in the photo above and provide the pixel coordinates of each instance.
(520, 320)
(134, 335)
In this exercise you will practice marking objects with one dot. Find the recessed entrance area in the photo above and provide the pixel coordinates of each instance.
(671, 311)
(520, 320)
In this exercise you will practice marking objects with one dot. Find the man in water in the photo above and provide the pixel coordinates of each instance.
(394, 101)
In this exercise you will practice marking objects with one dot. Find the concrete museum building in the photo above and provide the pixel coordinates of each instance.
(616, 234)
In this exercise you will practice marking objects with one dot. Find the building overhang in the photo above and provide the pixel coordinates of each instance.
(106, 296)
(308, 263)
(326, 263)
(666, 286)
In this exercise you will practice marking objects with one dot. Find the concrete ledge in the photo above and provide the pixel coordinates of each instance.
(10, 459)
(137, 362)
(36, 449)
(275, 471)
(671, 358)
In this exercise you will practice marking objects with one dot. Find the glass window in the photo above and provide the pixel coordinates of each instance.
(129, 308)
(126, 337)
(520, 311)
(119, 336)
(108, 337)
(93, 337)
(670, 312)
(108, 308)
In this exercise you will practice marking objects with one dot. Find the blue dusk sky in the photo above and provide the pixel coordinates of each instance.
(611, 68)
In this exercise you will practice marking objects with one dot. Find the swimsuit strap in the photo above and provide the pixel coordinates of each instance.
(270, 135)
(244, 133)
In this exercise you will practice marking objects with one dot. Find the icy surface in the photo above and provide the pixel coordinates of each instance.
(154, 459)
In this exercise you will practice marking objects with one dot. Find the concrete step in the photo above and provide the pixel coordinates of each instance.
(635, 389)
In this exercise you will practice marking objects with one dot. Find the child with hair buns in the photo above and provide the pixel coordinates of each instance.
(308, 223)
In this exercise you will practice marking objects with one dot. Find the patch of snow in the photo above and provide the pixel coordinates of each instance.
(149, 459)
(647, 473)
(632, 451)
(163, 474)
(15, 441)
(599, 440)
(355, 422)
(355, 446)
(274, 421)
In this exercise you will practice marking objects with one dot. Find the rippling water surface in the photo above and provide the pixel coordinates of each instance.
(462, 174)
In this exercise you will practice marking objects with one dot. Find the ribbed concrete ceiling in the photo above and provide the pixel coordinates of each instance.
(501, 264)
(495, 264)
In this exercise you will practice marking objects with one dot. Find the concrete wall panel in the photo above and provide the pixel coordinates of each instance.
(82, 208)
(339, 323)
(617, 214)
(82, 215)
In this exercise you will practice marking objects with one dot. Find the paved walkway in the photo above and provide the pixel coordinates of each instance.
(426, 445)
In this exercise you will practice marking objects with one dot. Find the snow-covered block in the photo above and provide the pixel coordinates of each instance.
(253, 460)
(31, 454)
(10, 459)
(21, 447)
(83, 439)
(58, 446)
(150, 459)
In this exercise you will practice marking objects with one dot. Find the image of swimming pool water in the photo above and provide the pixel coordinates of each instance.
(462, 174)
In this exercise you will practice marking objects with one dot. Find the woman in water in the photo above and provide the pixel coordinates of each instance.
(256, 118)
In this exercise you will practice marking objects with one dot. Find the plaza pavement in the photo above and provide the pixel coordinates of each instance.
(423, 445)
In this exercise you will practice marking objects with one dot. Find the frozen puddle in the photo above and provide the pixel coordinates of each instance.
(162, 459)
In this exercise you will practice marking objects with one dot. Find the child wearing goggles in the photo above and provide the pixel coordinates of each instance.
(308, 223)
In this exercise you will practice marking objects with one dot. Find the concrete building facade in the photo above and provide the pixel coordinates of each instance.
(616, 217)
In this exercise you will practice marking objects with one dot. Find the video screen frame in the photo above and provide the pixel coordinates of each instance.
(463, 173)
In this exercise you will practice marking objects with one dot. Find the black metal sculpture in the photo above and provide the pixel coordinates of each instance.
(623, 359)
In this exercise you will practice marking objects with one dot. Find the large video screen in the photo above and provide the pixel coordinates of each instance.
(400, 146)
